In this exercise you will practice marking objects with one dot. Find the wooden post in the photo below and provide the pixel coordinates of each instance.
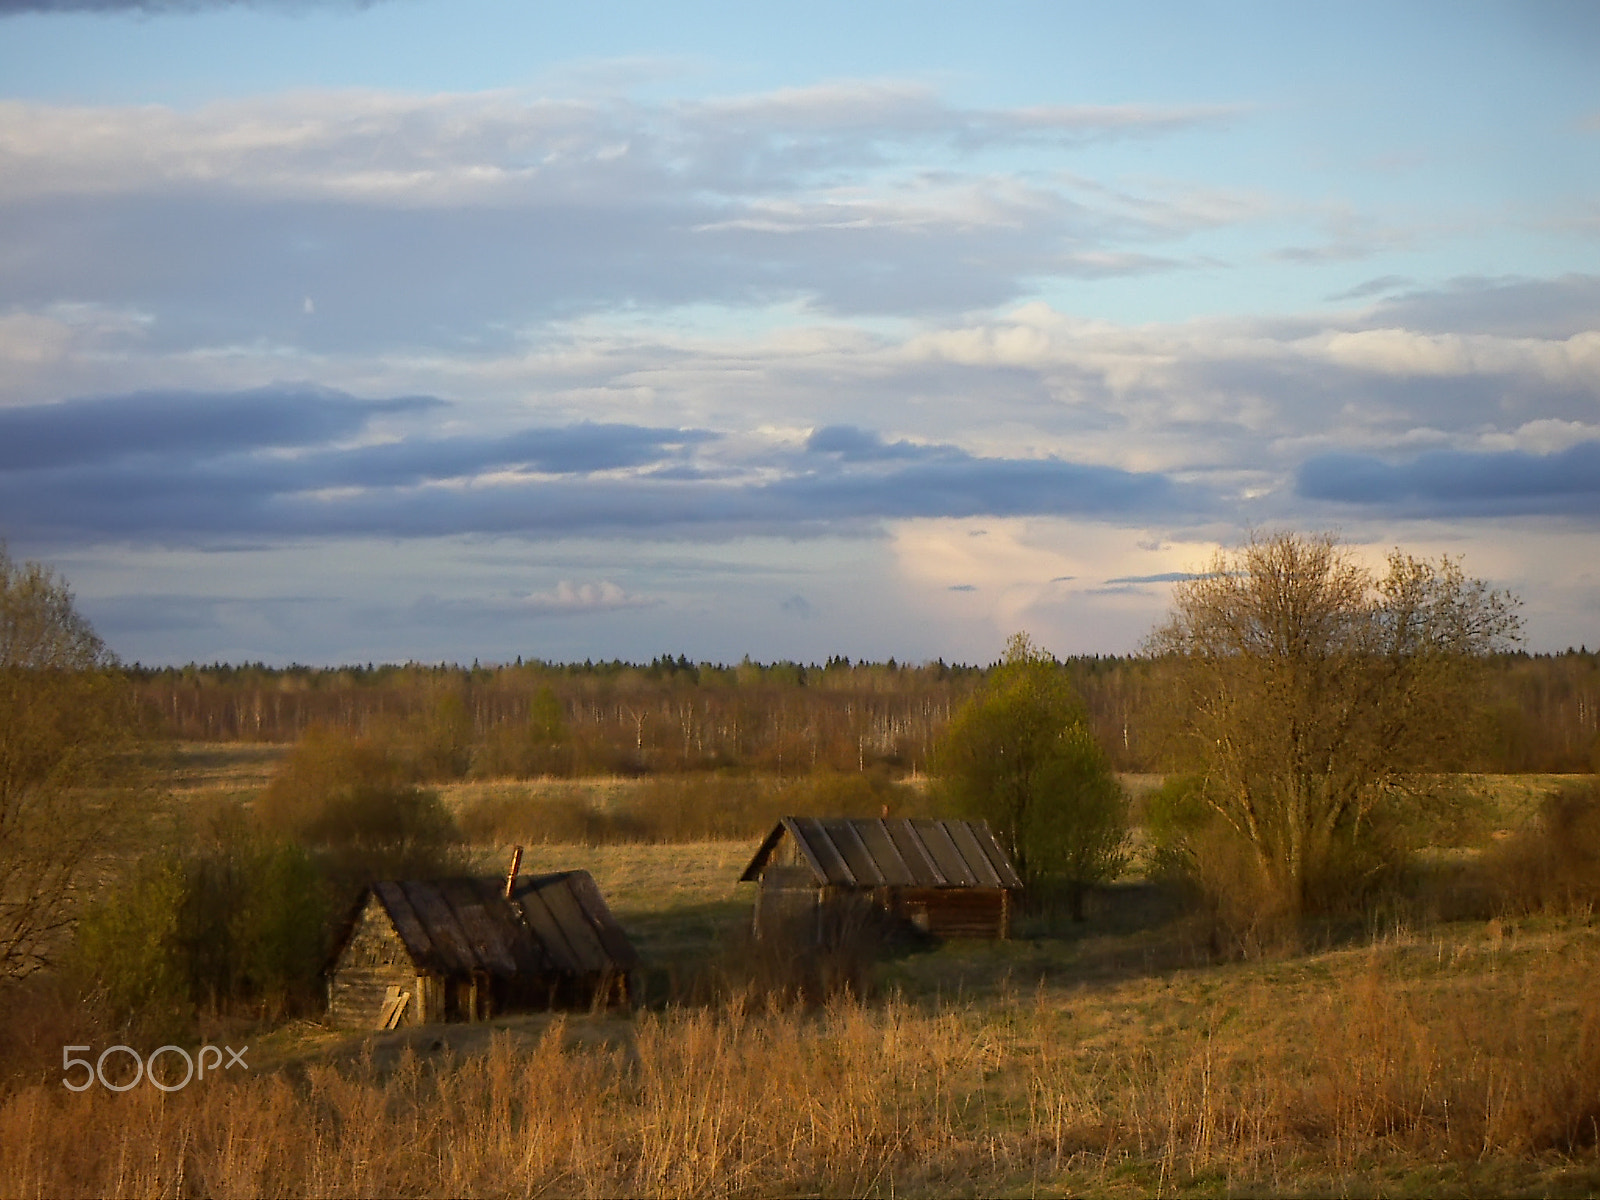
(511, 875)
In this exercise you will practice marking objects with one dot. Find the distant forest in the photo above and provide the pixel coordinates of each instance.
(1540, 712)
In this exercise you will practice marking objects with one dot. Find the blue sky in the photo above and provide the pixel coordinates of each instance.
(335, 332)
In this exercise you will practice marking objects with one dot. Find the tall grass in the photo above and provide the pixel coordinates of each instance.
(1250, 1080)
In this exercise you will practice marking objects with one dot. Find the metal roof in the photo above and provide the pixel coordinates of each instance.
(557, 923)
(892, 852)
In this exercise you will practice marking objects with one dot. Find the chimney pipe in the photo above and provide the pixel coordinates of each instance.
(511, 875)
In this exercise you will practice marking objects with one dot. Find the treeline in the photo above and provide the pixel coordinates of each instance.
(1539, 713)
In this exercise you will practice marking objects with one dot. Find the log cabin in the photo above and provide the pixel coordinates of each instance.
(417, 951)
(946, 878)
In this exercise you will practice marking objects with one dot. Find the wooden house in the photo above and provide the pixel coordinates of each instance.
(947, 878)
(416, 951)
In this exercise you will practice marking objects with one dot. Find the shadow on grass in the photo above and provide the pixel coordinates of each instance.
(1130, 931)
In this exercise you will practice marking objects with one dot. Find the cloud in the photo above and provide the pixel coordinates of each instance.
(1508, 306)
(177, 424)
(144, 473)
(1564, 483)
(454, 219)
(1379, 286)
(1164, 577)
(851, 444)
(570, 598)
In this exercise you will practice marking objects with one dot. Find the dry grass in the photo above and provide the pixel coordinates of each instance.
(1467, 1062)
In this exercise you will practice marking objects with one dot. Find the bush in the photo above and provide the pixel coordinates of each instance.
(1194, 847)
(351, 803)
(239, 921)
(130, 947)
(676, 808)
(1554, 864)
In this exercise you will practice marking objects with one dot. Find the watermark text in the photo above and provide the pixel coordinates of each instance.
(128, 1067)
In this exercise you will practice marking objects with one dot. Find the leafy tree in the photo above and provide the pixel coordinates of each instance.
(1019, 754)
(131, 944)
(1309, 694)
(65, 721)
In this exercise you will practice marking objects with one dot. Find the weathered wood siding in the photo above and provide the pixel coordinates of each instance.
(788, 898)
(955, 912)
(373, 961)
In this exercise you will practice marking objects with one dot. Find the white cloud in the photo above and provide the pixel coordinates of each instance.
(568, 597)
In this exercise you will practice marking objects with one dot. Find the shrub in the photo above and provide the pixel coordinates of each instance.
(1553, 865)
(1192, 845)
(350, 802)
(130, 946)
(239, 920)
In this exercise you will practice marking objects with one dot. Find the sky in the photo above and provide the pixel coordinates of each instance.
(339, 332)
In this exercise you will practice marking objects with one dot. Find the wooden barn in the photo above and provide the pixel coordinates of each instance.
(947, 878)
(465, 949)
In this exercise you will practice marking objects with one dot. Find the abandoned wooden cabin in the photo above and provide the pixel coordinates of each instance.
(417, 951)
(947, 878)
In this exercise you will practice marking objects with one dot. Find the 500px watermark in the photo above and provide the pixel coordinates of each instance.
(145, 1068)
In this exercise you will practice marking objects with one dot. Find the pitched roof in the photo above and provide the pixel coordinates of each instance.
(893, 852)
(557, 923)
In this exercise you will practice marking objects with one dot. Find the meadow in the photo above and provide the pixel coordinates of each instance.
(1413, 1054)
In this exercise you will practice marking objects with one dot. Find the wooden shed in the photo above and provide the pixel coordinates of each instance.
(947, 878)
(416, 951)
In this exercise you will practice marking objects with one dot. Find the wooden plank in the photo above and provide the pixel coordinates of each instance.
(972, 853)
(842, 834)
(874, 835)
(998, 858)
(449, 938)
(586, 945)
(488, 936)
(403, 916)
(394, 1010)
(917, 859)
(944, 851)
(814, 844)
(620, 950)
(542, 922)
(386, 1014)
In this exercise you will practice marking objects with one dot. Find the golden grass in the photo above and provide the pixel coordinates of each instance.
(1464, 1062)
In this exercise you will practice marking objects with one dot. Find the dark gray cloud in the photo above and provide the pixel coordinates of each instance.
(184, 424)
(1508, 483)
(154, 478)
(851, 444)
(1165, 577)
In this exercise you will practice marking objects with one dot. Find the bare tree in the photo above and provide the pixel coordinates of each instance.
(1311, 691)
(64, 727)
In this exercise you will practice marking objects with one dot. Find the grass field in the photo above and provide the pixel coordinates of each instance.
(1110, 1058)
(1460, 1059)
